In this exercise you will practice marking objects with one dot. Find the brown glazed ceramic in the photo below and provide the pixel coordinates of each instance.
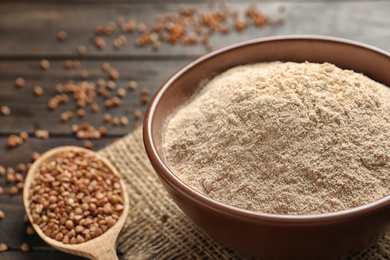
(268, 236)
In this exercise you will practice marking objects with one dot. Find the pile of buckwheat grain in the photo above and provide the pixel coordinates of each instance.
(285, 138)
(75, 197)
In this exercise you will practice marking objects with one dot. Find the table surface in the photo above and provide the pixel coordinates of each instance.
(28, 34)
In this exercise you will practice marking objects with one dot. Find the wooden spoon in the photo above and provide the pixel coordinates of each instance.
(101, 247)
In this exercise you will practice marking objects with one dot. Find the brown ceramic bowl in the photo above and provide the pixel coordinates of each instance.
(268, 236)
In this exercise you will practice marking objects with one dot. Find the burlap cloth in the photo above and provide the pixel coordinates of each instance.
(157, 229)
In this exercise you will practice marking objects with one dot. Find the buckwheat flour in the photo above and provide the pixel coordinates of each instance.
(285, 138)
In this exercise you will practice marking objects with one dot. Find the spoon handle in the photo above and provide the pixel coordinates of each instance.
(106, 254)
(103, 247)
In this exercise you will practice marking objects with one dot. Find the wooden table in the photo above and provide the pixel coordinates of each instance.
(28, 34)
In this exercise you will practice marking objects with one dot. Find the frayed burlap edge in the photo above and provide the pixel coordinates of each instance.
(157, 229)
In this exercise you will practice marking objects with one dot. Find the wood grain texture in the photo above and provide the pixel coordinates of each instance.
(29, 111)
(357, 20)
(28, 35)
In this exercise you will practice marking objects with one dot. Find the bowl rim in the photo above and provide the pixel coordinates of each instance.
(205, 202)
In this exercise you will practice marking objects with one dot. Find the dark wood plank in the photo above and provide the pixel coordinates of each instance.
(361, 21)
(29, 112)
(76, 21)
(14, 228)
(28, 34)
(13, 234)
(41, 254)
(94, 2)
(22, 154)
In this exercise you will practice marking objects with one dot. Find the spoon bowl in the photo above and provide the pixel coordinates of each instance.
(100, 247)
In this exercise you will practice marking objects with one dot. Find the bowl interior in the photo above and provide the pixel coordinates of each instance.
(345, 54)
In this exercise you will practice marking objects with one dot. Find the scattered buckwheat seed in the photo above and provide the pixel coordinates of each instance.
(137, 114)
(59, 88)
(10, 177)
(95, 107)
(3, 247)
(10, 170)
(84, 74)
(102, 130)
(156, 46)
(106, 66)
(81, 49)
(113, 73)
(144, 99)
(19, 82)
(100, 43)
(20, 185)
(111, 85)
(66, 116)
(116, 101)
(13, 190)
(120, 21)
(21, 167)
(61, 36)
(76, 64)
(52, 104)
(80, 112)
(18, 177)
(30, 230)
(107, 117)
(14, 140)
(38, 91)
(68, 64)
(25, 247)
(121, 92)
(87, 144)
(35, 155)
(45, 64)
(145, 91)
(118, 43)
(165, 216)
(115, 121)
(124, 120)
(5, 110)
(24, 135)
(108, 103)
(41, 133)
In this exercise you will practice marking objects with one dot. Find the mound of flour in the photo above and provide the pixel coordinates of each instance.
(285, 138)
